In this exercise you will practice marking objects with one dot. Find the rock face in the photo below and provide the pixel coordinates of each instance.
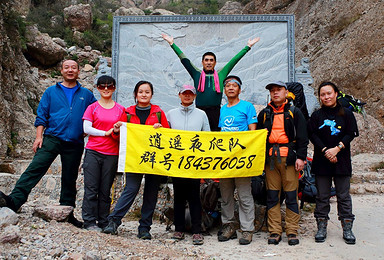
(147, 3)
(343, 40)
(231, 7)
(122, 11)
(79, 17)
(19, 88)
(127, 3)
(162, 12)
(42, 47)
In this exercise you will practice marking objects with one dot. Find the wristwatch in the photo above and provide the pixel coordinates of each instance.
(340, 145)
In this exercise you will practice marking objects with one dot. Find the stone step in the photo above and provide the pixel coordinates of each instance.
(366, 188)
(368, 177)
(48, 189)
(19, 166)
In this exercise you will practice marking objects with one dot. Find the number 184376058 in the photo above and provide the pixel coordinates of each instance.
(213, 163)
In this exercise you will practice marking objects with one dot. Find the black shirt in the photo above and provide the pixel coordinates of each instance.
(143, 113)
(326, 128)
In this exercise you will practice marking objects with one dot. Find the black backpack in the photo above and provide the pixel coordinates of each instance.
(297, 97)
(209, 197)
(307, 185)
(351, 103)
(259, 190)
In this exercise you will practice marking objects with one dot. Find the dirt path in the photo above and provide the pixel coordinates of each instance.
(368, 229)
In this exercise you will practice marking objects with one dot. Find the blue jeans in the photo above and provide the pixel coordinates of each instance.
(151, 189)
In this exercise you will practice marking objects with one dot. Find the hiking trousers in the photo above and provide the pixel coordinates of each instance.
(70, 154)
(99, 173)
(246, 203)
(127, 197)
(286, 178)
(344, 200)
(213, 114)
(186, 189)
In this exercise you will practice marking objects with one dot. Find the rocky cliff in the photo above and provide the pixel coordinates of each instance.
(344, 41)
(18, 86)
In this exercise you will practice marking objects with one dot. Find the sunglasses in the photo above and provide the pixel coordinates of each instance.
(106, 86)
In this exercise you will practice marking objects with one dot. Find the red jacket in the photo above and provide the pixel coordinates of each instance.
(152, 118)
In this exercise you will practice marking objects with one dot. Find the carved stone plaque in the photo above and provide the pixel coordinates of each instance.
(140, 53)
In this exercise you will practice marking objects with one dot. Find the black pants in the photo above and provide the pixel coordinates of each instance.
(186, 189)
(213, 114)
(70, 154)
(99, 172)
(127, 197)
(344, 201)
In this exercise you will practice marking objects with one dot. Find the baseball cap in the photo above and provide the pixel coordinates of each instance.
(187, 87)
(276, 83)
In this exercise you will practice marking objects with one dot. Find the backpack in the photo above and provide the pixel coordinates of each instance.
(307, 185)
(297, 97)
(209, 197)
(259, 190)
(351, 103)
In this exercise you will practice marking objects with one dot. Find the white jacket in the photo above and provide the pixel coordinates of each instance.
(188, 118)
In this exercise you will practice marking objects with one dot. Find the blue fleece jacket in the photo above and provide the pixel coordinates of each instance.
(61, 119)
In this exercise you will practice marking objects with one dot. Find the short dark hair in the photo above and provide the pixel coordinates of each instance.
(62, 63)
(233, 77)
(105, 79)
(138, 84)
(209, 53)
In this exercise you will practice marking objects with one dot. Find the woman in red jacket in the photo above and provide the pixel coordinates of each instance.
(143, 113)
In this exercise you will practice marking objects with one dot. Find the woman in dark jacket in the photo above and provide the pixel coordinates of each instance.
(331, 129)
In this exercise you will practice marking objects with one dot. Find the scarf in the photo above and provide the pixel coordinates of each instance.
(202, 81)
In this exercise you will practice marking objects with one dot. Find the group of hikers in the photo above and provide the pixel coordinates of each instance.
(67, 111)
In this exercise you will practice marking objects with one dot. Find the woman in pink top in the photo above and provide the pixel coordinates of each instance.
(101, 155)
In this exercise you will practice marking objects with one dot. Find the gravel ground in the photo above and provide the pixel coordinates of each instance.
(53, 240)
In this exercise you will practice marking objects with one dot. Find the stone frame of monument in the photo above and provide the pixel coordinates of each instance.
(140, 53)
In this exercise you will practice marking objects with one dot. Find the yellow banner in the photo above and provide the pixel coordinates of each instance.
(190, 154)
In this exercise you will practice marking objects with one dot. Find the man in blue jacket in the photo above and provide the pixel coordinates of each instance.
(59, 120)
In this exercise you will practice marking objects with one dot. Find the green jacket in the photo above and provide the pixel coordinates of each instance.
(209, 97)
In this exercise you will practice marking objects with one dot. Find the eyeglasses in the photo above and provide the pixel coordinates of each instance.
(106, 86)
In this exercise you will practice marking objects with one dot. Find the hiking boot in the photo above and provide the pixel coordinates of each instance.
(274, 239)
(6, 201)
(74, 221)
(246, 237)
(178, 235)
(93, 228)
(321, 234)
(293, 240)
(348, 235)
(228, 232)
(111, 228)
(197, 239)
(144, 234)
(3, 200)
